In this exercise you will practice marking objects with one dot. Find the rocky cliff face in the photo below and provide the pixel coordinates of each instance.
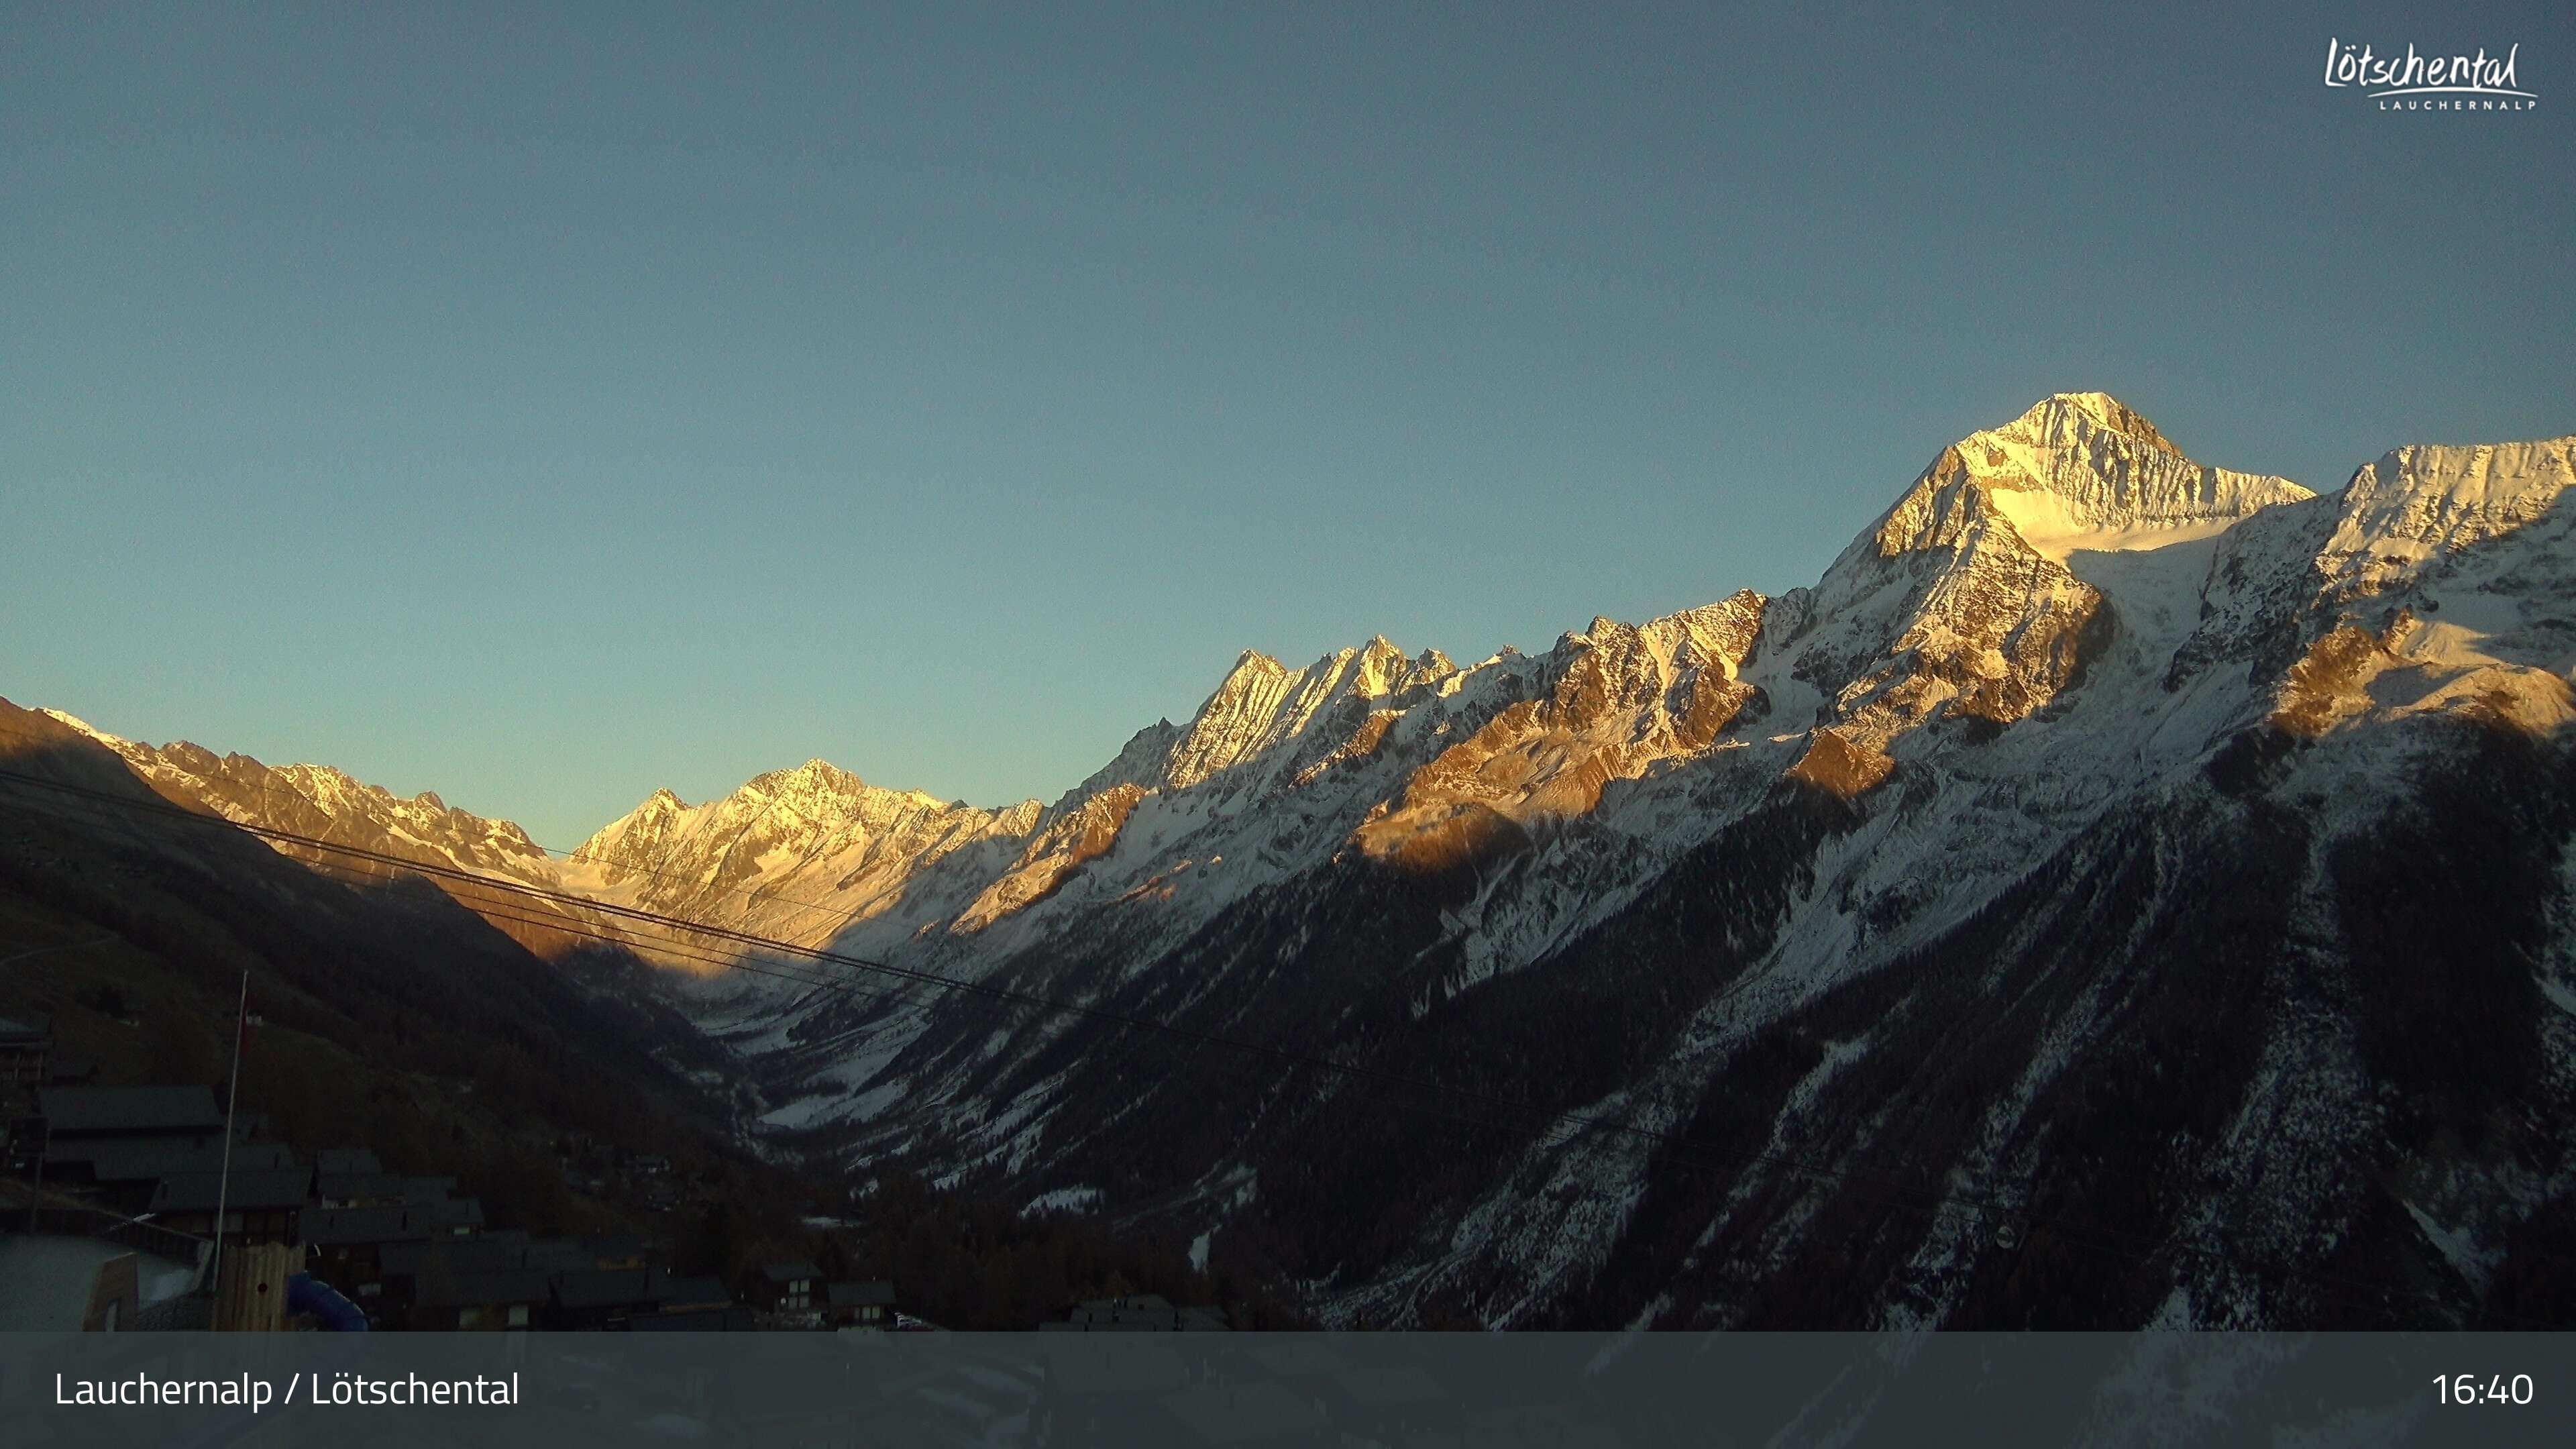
(1964, 603)
(321, 803)
(796, 855)
(2121, 890)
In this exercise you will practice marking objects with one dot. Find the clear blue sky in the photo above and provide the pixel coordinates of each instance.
(541, 404)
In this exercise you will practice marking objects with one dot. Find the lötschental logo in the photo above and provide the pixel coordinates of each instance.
(2415, 82)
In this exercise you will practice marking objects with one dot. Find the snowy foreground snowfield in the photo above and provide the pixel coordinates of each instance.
(2121, 891)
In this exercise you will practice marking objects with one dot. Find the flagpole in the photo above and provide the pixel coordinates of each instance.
(232, 1099)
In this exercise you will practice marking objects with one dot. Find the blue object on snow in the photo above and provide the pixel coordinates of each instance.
(305, 1295)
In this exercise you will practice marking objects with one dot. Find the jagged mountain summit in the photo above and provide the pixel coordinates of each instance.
(1978, 597)
(795, 855)
(1987, 587)
(325, 804)
(2120, 890)
(320, 803)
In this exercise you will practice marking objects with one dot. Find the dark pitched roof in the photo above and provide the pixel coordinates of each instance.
(613, 1246)
(90, 1149)
(563, 1256)
(637, 1287)
(135, 1159)
(605, 1288)
(862, 1295)
(457, 1255)
(346, 1185)
(351, 1160)
(558, 1256)
(197, 1192)
(790, 1271)
(451, 1212)
(419, 1190)
(169, 1110)
(333, 1227)
(480, 1286)
(683, 1293)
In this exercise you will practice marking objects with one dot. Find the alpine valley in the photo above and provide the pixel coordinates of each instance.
(2122, 891)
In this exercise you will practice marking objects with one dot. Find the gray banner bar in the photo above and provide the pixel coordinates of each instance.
(1139, 1391)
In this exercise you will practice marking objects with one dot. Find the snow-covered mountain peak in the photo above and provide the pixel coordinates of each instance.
(296, 796)
(2110, 749)
(1249, 667)
(1380, 669)
(797, 853)
(636, 839)
(2420, 502)
(814, 777)
(2065, 418)
(2078, 471)
(1718, 636)
(117, 743)
(2016, 557)
(1262, 705)
(301, 803)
